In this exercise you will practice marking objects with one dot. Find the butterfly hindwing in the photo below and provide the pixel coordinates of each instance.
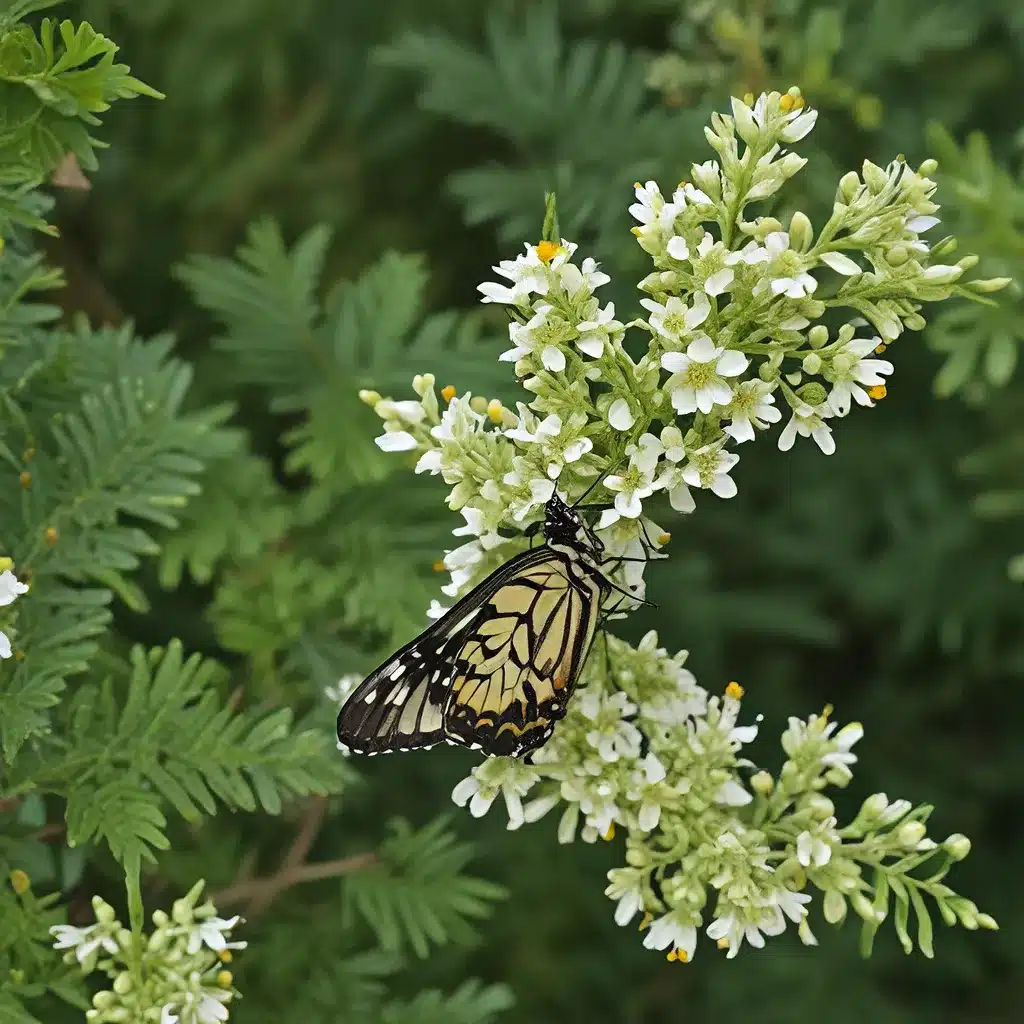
(517, 669)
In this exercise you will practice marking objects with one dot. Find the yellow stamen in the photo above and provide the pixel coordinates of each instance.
(25, 479)
(748, 98)
(723, 943)
(878, 392)
(645, 922)
(448, 392)
(20, 882)
(734, 690)
(547, 251)
(224, 979)
(225, 956)
(787, 103)
(6, 563)
(879, 349)
(826, 711)
(635, 231)
(681, 955)
(495, 410)
(439, 566)
(671, 955)
(636, 184)
(664, 539)
(610, 834)
(51, 536)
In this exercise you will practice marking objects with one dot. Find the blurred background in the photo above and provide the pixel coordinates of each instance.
(423, 136)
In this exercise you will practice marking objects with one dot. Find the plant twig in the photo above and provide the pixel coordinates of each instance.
(240, 891)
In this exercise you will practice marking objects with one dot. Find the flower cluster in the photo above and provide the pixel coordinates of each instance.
(732, 346)
(10, 589)
(713, 844)
(175, 975)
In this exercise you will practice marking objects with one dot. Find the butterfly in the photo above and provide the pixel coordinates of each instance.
(497, 670)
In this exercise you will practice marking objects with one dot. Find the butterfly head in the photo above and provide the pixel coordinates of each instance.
(563, 527)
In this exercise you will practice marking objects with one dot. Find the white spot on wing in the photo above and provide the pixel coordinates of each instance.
(370, 697)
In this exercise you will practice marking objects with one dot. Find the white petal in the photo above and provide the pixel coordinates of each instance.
(841, 264)
(396, 441)
(677, 248)
(591, 345)
(675, 362)
(723, 485)
(619, 415)
(430, 462)
(921, 223)
(681, 499)
(5, 645)
(701, 350)
(719, 282)
(799, 126)
(822, 435)
(553, 359)
(649, 816)
(732, 363)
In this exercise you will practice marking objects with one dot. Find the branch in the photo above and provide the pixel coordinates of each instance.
(238, 892)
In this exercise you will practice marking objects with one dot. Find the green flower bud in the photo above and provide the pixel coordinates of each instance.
(767, 372)
(817, 336)
(801, 233)
(762, 783)
(371, 398)
(944, 247)
(813, 393)
(988, 284)
(123, 983)
(989, 922)
(898, 255)
(909, 834)
(863, 906)
(874, 177)
(914, 322)
(104, 1000)
(834, 907)
(812, 363)
(957, 845)
(928, 167)
(104, 911)
(969, 261)
(820, 806)
(849, 184)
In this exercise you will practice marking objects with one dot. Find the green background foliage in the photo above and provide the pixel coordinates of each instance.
(309, 211)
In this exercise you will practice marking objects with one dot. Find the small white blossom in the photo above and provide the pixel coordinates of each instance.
(84, 941)
(812, 849)
(396, 440)
(851, 371)
(808, 421)
(505, 775)
(210, 932)
(710, 467)
(674, 319)
(752, 406)
(611, 734)
(699, 375)
(669, 932)
(10, 587)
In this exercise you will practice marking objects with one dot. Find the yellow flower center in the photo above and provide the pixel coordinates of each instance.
(610, 834)
(448, 392)
(547, 251)
(734, 690)
(878, 392)
(495, 410)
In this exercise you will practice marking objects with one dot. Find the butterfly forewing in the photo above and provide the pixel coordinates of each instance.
(497, 670)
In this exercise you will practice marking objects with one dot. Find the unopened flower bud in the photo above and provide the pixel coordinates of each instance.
(928, 167)
(874, 177)
(801, 233)
(371, 398)
(957, 845)
(862, 906)
(834, 907)
(123, 983)
(849, 184)
(813, 393)
(898, 255)
(812, 363)
(817, 335)
(909, 834)
(762, 783)
(104, 911)
(820, 806)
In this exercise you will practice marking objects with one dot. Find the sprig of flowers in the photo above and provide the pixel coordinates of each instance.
(11, 588)
(734, 344)
(176, 975)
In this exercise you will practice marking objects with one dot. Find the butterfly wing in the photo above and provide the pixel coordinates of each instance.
(517, 668)
(494, 672)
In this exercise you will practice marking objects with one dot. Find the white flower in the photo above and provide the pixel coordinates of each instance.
(747, 923)
(396, 440)
(733, 794)
(800, 123)
(540, 490)
(504, 775)
(430, 462)
(594, 333)
(669, 932)
(677, 248)
(528, 274)
(654, 214)
(11, 586)
(809, 422)
(5, 645)
(210, 932)
(698, 375)
(543, 333)
(785, 267)
(811, 849)
(752, 406)
(612, 736)
(211, 1008)
(632, 487)
(850, 371)
(647, 791)
(627, 892)
(84, 941)
(674, 320)
(919, 223)
(709, 467)
(841, 756)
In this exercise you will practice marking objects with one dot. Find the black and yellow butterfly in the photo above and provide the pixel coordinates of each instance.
(497, 670)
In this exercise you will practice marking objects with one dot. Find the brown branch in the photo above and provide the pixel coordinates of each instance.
(238, 892)
(296, 855)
